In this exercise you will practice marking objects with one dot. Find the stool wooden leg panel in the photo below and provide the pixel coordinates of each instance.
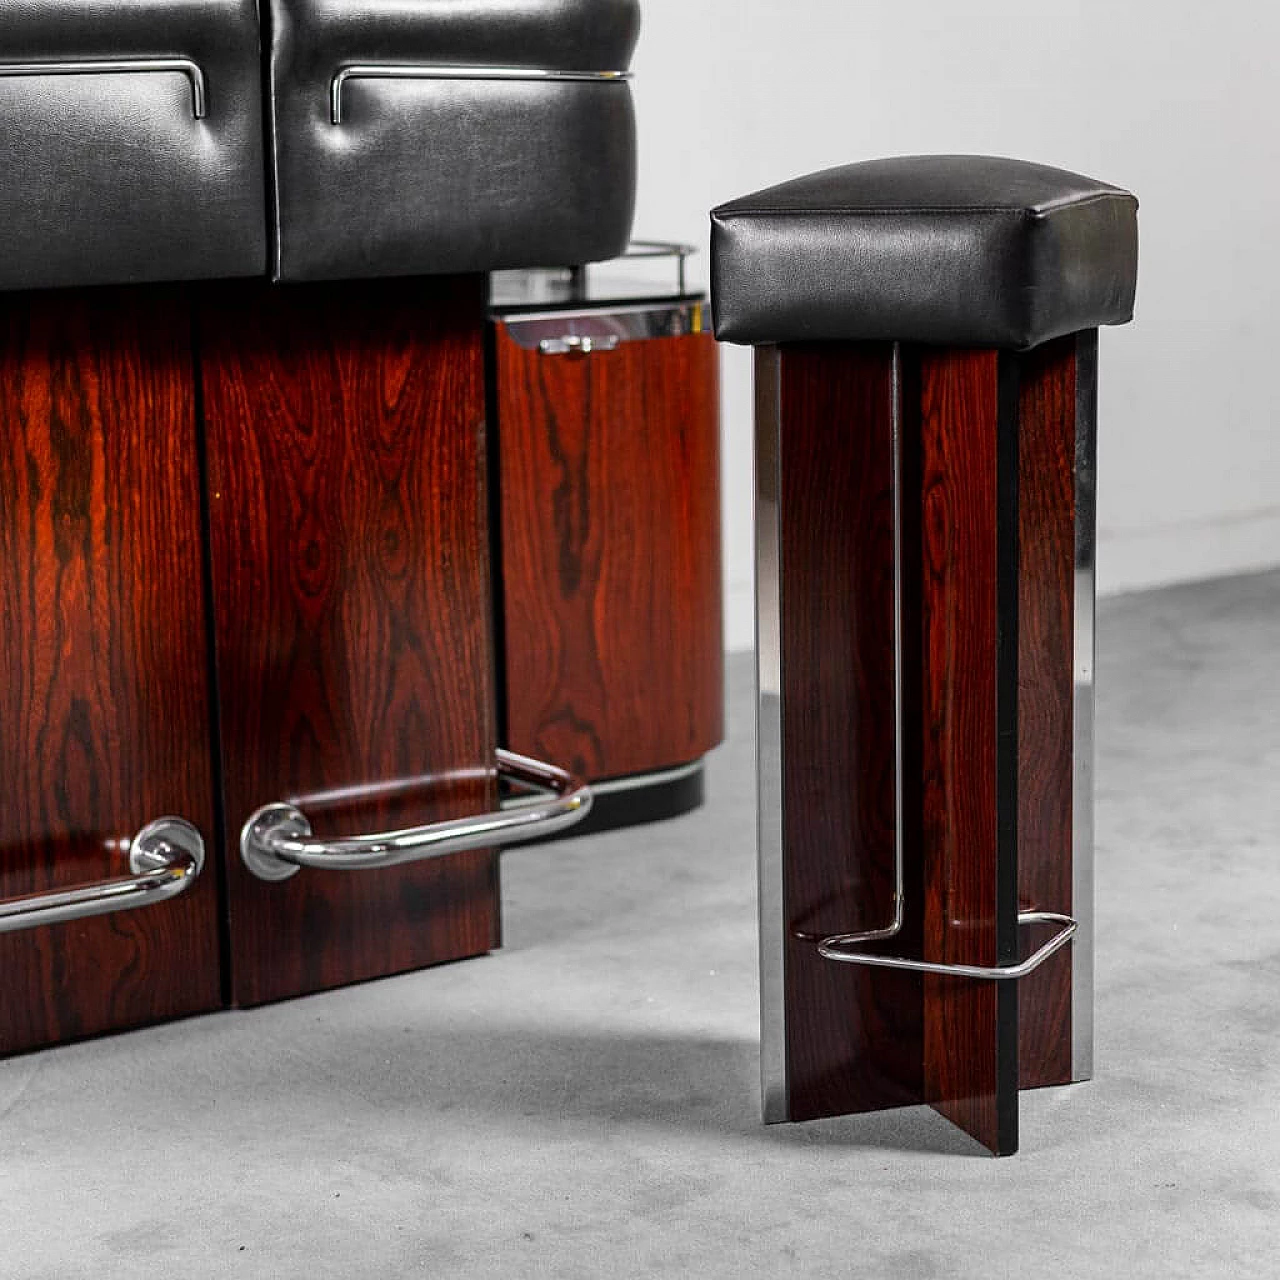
(1047, 519)
(850, 1038)
(351, 597)
(984, 445)
(958, 411)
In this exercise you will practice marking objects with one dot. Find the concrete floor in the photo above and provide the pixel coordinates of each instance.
(583, 1104)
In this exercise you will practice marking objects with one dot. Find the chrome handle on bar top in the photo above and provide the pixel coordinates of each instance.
(165, 858)
(119, 66)
(448, 71)
(277, 842)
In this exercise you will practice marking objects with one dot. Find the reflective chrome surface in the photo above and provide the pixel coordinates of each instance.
(665, 249)
(165, 857)
(1082, 782)
(899, 725)
(109, 66)
(276, 842)
(834, 948)
(631, 782)
(604, 328)
(647, 271)
(437, 71)
(578, 344)
(769, 797)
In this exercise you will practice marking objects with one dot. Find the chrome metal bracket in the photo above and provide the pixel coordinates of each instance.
(277, 842)
(441, 71)
(165, 857)
(114, 66)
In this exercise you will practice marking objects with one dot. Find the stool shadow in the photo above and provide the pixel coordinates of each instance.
(572, 1078)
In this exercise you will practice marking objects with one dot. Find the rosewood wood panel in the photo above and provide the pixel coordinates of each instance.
(987, 539)
(853, 1033)
(104, 706)
(970, 1026)
(1047, 421)
(609, 478)
(349, 544)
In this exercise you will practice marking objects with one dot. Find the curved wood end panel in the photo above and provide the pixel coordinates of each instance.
(609, 498)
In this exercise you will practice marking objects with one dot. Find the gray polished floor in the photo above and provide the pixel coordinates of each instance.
(583, 1104)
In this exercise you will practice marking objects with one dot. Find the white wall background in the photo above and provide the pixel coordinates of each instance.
(1179, 102)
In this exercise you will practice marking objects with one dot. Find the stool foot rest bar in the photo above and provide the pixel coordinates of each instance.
(925, 334)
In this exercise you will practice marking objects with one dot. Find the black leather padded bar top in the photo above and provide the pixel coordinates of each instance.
(949, 250)
(153, 140)
(430, 154)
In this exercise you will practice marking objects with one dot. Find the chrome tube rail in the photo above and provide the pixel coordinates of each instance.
(165, 857)
(834, 948)
(119, 66)
(442, 71)
(277, 841)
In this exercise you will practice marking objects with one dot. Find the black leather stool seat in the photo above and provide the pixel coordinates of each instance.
(952, 250)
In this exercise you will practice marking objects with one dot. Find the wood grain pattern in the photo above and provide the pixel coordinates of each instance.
(1047, 419)
(609, 478)
(853, 1033)
(350, 573)
(965, 1020)
(104, 719)
(987, 484)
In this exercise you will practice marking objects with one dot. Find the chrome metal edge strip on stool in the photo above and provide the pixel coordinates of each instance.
(773, 1013)
(1082, 779)
(166, 857)
(276, 842)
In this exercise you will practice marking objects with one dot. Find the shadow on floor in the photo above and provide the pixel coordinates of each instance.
(571, 1079)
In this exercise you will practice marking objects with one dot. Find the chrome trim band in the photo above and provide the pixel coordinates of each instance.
(276, 842)
(441, 71)
(165, 857)
(639, 781)
(621, 786)
(833, 948)
(1082, 781)
(604, 326)
(769, 800)
(108, 66)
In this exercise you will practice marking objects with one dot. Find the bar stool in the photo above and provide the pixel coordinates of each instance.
(926, 369)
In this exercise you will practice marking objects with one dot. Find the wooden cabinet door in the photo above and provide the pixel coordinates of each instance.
(608, 470)
(350, 553)
(104, 708)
